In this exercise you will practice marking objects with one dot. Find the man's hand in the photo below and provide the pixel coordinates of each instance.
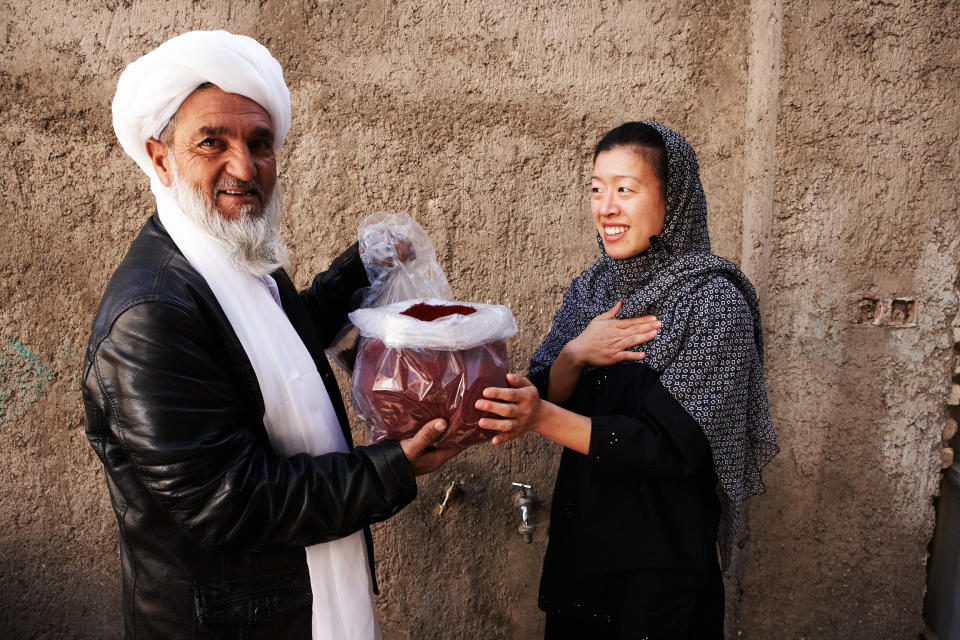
(404, 249)
(606, 339)
(420, 452)
(387, 251)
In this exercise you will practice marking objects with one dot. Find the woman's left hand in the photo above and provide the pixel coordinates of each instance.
(518, 406)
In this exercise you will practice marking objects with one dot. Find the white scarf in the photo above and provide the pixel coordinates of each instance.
(298, 415)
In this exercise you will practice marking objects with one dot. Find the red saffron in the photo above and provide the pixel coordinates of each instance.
(430, 312)
(402, 388)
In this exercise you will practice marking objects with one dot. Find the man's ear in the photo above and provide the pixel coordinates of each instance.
(159, 155)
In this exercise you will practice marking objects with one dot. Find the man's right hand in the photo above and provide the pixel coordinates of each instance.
(420, 452)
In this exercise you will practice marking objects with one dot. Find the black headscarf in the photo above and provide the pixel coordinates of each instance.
(709, 348)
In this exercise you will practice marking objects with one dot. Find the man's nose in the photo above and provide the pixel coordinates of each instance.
(240, 163)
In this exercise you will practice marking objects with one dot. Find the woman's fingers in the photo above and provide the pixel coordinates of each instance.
(505, 394)
(633, 340)
(505, 409)
(638, 324)
(612, 312)
(645, 336)
(496, 424)
(518, 381)
(522, 390)
(500, 438)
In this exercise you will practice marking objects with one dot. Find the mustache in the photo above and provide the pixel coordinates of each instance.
(231, 184)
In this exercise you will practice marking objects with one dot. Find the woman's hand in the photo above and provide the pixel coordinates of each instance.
(519, 406)
(604, 342)
(522, 410)
(606, 339)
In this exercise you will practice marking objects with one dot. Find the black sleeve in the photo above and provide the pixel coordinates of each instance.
(187, 427)
(661, 440)
(329, 296)
(541, 380)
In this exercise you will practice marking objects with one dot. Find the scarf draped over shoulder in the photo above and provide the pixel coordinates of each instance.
(709, 349)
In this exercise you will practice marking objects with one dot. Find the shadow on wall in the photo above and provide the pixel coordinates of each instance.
(44, 600)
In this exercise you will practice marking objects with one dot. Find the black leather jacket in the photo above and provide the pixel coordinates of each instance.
(212, 521)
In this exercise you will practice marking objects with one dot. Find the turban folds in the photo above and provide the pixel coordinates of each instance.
(152, 88)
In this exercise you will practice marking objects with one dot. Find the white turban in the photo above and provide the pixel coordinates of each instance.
(152, 88)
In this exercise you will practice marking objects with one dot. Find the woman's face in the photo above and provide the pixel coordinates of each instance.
(626, 201)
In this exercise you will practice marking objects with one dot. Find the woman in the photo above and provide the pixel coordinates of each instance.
(661, 445)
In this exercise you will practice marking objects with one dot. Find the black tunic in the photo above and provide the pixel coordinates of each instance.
(637, 517)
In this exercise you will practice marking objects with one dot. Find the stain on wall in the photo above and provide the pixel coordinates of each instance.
(23, 379)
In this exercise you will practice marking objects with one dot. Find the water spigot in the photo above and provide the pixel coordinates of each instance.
(525, 500)
(453, 492)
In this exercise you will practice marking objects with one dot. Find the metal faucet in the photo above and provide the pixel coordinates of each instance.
(526, 501)
(453, 492)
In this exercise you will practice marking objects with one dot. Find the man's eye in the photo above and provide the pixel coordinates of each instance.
(208, 142)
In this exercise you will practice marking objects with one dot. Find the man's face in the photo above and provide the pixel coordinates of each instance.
(223, 148)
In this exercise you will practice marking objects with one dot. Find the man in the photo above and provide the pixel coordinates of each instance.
(208, 398)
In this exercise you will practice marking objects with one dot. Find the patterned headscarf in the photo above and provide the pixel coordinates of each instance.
(709, 348)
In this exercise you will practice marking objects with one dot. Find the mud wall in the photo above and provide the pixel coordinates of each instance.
(826, 141)
(864, 207)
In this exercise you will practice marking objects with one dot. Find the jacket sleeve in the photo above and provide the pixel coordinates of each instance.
(186, 422)
(328, 300)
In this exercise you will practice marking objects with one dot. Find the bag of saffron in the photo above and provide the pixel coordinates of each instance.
(428, 358)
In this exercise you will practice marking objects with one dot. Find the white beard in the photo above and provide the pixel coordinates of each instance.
(253, 245)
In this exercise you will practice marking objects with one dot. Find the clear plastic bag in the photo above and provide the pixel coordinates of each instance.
(401, 264)
(400, 261)
(427, 358)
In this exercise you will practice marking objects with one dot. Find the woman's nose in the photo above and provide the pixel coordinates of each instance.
(608, 205)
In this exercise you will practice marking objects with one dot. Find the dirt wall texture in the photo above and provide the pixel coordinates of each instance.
(826, 138)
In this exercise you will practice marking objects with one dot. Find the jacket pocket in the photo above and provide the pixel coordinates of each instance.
(95, 427)
(251, 600)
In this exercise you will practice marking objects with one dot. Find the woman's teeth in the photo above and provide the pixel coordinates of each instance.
(615, 231)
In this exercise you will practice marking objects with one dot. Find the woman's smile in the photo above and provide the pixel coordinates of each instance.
(612, 233)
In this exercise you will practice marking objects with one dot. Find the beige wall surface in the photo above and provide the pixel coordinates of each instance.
(826, 137)
(865, 203)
